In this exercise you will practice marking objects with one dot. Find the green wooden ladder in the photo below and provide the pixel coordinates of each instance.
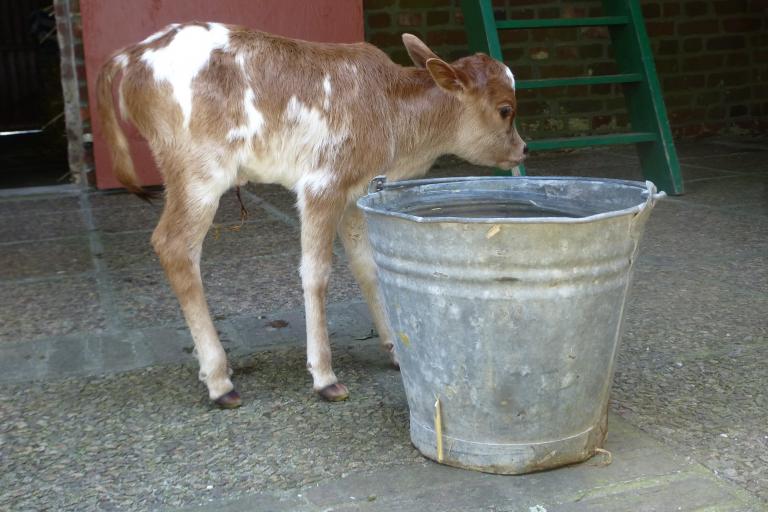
(647, 114)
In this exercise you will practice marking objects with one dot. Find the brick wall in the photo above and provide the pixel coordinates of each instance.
(74, 89)
(711, 57)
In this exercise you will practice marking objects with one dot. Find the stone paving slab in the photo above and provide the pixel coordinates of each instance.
(747, 193)
(711, 146)
(643, 476)
(746, 162)
(52, 307)
(727, 432)
(261, 236)
(148, 439)
(36, 204)
(713, 236)
(40, 226)
(233, 288)
(89, 354)
(37, 259)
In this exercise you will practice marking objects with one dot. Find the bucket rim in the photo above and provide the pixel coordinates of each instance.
(646, 189)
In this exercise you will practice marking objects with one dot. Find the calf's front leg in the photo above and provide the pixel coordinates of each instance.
(319, 218)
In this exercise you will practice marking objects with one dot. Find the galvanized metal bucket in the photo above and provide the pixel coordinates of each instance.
(506, 297)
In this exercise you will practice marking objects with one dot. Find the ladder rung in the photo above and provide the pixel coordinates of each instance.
(591, 140)
(625, 78)
(602, 21)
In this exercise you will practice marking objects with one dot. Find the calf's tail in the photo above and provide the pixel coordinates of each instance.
(122, 163)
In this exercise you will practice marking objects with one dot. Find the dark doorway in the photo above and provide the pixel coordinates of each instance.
(33, 143)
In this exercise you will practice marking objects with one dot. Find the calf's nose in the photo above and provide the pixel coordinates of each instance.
(525, 149)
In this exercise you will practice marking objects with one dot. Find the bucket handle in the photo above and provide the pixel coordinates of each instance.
(652, 193)
(638, 219)
(377, 184)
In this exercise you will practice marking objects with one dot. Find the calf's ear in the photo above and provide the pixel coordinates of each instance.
(447, 77)
(417, 50)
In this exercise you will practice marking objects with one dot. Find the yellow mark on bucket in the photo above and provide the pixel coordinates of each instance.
(493, 231)
(439, 430)
(405, 339)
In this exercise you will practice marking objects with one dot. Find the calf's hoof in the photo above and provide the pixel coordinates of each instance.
(389, 348)
(229, 401)
(335, 392)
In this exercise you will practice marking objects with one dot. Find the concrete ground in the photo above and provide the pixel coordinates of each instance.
(100, 407)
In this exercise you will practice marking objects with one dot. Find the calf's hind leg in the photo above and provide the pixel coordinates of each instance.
(178, 241)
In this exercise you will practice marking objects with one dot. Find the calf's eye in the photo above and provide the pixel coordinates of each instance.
(505, 111)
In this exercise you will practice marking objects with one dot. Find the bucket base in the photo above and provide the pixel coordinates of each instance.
(509, 459)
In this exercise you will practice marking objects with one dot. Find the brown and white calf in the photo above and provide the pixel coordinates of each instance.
(223, 105)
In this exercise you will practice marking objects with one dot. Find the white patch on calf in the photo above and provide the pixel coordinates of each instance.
(254, 120)
(161, 33)
(121, 60)
(240, 59)
(316, 182)
(205, 192)
(327, 91)
(297, 153)
(310, 137)
(121, 102)
(510, 76)
(295, 110)
(185, 56)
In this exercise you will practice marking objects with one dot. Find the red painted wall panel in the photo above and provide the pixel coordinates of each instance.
(111, 24)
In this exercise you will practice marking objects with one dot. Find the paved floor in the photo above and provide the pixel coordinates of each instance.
(100, 408)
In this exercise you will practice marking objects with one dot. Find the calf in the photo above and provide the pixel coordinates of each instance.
(222, 105)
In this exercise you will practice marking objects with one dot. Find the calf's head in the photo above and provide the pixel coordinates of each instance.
(485, 90)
